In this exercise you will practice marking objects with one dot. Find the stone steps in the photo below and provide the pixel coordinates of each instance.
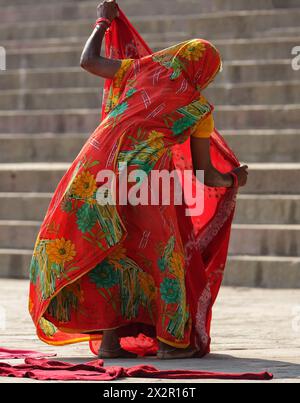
(266, 49)
(18, 234)
(273, 178)
(44, 177)
(245, 270)
(263, 271)
(49, 106)
(251, 145)
(72, 98)
(260, 209)
(40, 148)
(15, 263)
(257, 116)
(24, 206)
(268, 209)
(68, 56)
(243, 72)
(266, 240)
(166, 38)
(56, 121)
(249, 71)
(79, 42)
(71, 10)
(259, 93)
(265, 145)
(266, 93)
(235, 25)
(279, 32)
(86, 120)
(209, 5)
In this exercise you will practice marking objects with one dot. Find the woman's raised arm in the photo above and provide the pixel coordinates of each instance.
(91, 59)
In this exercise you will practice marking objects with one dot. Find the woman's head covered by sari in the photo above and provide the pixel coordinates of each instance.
(198, 60)
(195, 62)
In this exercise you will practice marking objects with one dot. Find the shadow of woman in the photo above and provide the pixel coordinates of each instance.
(211, 363)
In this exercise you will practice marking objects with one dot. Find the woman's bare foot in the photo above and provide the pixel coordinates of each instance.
(167, 352)
(119, 353)
(111, 348)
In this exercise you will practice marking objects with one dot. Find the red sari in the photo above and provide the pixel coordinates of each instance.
(149, 270)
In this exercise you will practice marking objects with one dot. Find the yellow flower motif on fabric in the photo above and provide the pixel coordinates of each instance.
(84, 185)
(156, 139)
(47, 327)
(198, 107)
(156, 156)
(115, 257)
(60, 251)
(119, 76)
(92, 202)
(156, 143)
(177, 265)
(112, 99)
(147, 285)
(193, 51)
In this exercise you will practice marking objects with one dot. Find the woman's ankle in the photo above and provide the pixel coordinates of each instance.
(165, 347)
(110, 340)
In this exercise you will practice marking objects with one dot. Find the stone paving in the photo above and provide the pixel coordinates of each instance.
(253, 330)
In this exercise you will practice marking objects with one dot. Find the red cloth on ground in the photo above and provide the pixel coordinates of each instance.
(141, 345)
(9, 354)
(44, 370)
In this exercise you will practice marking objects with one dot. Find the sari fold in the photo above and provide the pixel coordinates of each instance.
(147, 269)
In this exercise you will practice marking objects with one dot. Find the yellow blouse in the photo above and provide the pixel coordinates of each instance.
(204, 128)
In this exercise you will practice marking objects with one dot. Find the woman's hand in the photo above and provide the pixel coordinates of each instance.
(242, 175)
(108, 9)
(91, 59)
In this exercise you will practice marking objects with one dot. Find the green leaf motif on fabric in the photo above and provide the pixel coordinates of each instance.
(67, 206)
(162, 265)
(183, 124)
(119, 110)
(191, 114)
(62, 305)
(86, 218)
(170, 291)
(130, 92)
(104, 275)
(34, 270)
(47, 327)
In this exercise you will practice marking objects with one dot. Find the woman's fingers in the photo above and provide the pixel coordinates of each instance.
(245, 167)
(242, 174)
(108, 9)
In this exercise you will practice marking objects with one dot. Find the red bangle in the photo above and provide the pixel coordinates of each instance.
(235, 180)
(106, 20)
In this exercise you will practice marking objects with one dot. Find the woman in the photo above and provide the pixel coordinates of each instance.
(108, 273)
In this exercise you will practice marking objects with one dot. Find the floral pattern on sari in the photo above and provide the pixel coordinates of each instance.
(124, 285)
(178, 63)
(146, 150)
(114, 93)
(187, 117)
(51, 261)
(175, 312)
(98, 267)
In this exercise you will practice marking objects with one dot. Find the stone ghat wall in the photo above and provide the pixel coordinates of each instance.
(49, 106)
